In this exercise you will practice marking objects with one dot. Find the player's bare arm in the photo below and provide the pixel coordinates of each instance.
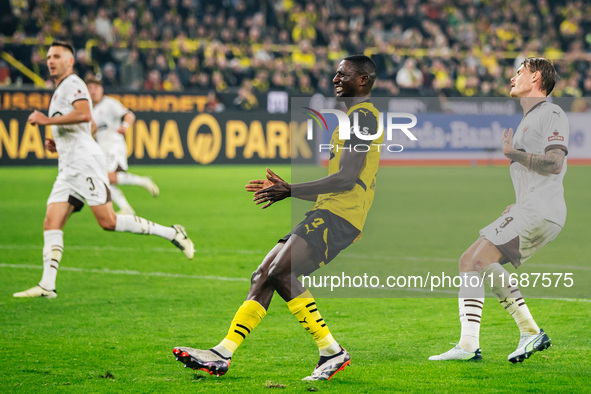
(80, 114)
(549, 163)
(344, 180)
(128, 120)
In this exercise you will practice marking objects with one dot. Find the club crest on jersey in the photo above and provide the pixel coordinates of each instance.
(555, 137)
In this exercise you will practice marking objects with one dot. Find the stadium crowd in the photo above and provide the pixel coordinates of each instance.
(421, 47)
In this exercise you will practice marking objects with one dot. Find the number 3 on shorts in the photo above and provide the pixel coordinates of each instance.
(91, 186)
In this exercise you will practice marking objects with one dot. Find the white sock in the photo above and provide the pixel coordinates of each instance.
(127, 178)
(138, 225)
(119, 199)
(331, 350)
(510, 297)
(222, 350)
(53, 247)
(470, 302)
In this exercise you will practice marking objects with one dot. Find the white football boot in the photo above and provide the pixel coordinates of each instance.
(181, 240)
(36, 292)
(152, 187)
(457, 353)
(529, 344)
(328, 367)
(203, 360)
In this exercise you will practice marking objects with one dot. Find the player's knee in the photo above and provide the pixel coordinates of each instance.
(478, 264)
(48, 224)
(108, 223)
(466, 262)
(259, 275)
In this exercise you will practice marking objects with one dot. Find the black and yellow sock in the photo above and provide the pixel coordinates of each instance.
(248, 316)
(304, 309)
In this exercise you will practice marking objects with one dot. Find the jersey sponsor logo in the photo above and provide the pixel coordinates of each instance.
(555, 137)
(525, 129)
(56, 113)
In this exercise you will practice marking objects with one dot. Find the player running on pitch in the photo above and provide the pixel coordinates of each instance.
(82, 174)
(343, 199)
(538, 164)
(113, 120)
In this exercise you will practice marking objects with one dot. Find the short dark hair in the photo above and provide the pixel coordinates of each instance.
(364, 65)
(63, 44)
(546, 69)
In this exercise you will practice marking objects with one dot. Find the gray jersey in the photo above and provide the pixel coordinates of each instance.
(75, 146)
(544, 127)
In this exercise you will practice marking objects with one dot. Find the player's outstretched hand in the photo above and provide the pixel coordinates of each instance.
(50, 145)
(257, 184)
(507, 141)
(269, 191)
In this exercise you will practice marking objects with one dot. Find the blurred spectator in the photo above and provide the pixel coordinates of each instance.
(103, 26)
(102, 53)
(39, 64)
(303, 31)
(217, 80)
(132, 72)
(4, 74)
(110, 76)
(154, 81)
(409, 76)
(214, 104)
(83, 66)
(183, 71)
(172, 82)
(246, 100)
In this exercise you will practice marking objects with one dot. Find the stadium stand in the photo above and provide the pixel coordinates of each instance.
(456, 48)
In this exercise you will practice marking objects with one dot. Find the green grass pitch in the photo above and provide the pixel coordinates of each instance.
(126, 300)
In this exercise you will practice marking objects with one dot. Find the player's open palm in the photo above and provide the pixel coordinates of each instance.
(270, 190)
(257, 184)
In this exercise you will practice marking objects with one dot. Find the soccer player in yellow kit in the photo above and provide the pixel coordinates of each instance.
(343, 199)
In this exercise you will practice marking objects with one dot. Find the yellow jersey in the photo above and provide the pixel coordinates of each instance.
(353, 205)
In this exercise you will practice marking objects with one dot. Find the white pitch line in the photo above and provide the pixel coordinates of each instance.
(128, 272)
(264, 252)
(128, 249)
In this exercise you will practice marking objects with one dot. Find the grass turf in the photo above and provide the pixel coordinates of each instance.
(125, 300)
